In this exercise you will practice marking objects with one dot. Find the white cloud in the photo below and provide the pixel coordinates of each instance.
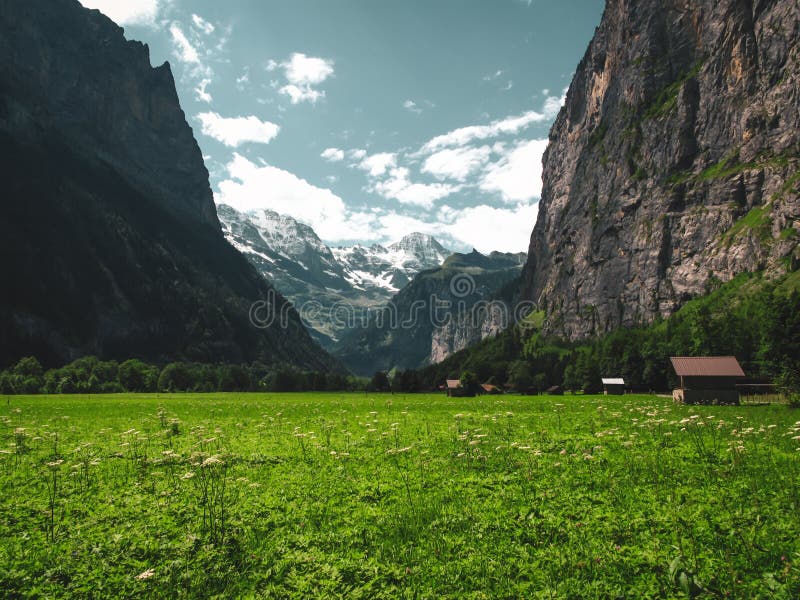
(184, 50)
(508, 126)
(127, 12)
(243, 80)
(303, 73)
(553, 104)
(201, 92)
(202, 24)
(487, 228)
(392, 226)
(251, 187)
(298, 94)
(456, 163)
(332, 154)
(271, 65)
(236, 131)
(377, 164)
(412, 106)
(398, 186)
(356, 153)
(465, 135)
(517, 176)
(307, 70)
(495, 75)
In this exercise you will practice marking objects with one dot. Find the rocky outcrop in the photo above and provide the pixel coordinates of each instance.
(469, 327)
(109, 237)
(440, 312)
(674, 164)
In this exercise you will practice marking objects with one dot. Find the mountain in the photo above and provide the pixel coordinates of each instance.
(674, 164)
(440, 312)
(110, 241)
(318, 279)
(394, 267)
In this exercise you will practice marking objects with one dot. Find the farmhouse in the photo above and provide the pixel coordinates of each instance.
(707, 379)
(456, 390)
(488, 388)
(555, 390)
(614, 386)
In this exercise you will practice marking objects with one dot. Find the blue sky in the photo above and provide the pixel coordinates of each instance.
(370, 119)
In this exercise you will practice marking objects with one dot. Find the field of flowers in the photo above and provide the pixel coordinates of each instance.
(370, 496)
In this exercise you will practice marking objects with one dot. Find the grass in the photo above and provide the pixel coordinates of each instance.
(730, 166)
(380, 496)
(667, 99)
(757, 220)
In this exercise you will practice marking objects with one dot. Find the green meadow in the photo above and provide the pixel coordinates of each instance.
(386, 496)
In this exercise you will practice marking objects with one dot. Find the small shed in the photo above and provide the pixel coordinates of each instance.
(488, 388)
(555, 390)
(456, 390)
(707, 379)
(614, 386)
(452, 386)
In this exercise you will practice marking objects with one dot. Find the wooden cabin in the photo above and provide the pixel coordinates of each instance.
(488, 388)
(707, 379)
(555, 390)
(456, 390)
(613, 386)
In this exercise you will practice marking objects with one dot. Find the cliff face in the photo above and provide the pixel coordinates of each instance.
(674, 164)
(109, 240)
(69, 70)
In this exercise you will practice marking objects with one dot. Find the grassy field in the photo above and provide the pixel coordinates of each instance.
(332, 495)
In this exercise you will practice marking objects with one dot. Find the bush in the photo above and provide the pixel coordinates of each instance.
(175, 377)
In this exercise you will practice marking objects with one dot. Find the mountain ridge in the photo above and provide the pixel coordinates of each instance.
(110, 241)
(318, 278)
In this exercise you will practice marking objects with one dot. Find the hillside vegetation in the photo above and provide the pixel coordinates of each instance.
(752, 317)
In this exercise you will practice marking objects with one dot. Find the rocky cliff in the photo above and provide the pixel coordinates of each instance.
(674, 163)
(109, 238)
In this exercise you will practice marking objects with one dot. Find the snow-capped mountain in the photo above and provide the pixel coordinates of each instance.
(390, 268)
(313, 275)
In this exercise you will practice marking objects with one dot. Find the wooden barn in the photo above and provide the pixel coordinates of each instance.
(613, 386)
(456, 390)
(488, 388)
(707, 379)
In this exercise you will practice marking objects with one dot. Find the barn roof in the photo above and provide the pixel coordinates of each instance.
(706, 366)
(488, 387)
(613, 381)
(453, 384)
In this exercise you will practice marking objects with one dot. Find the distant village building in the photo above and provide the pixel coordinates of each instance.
(707, 379)
(613, 386)
(488, 388)
(456, 390)
(555, 390)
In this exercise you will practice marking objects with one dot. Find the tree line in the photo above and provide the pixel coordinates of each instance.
(90, 375)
